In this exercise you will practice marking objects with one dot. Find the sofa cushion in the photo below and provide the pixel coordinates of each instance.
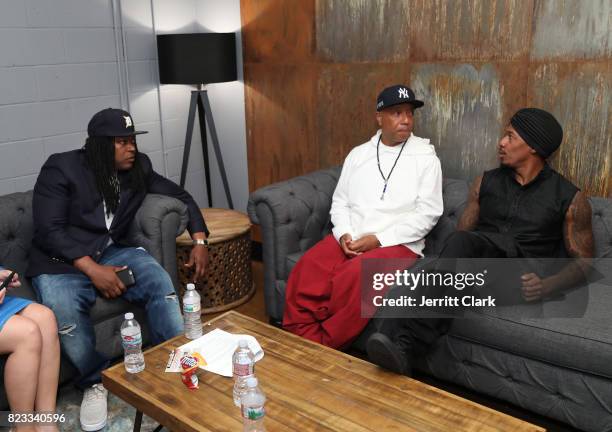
(602, 226)
(578, 399)
(581, 343)
(16, 231)
(454, 194)
(292, 260)
(104, 309)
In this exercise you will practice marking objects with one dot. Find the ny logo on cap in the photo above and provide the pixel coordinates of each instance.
(403, 93)
(128, 121)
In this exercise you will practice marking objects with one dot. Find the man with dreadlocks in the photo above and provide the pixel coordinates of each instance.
(84, 201)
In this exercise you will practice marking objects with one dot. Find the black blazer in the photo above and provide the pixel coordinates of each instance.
(68, 212)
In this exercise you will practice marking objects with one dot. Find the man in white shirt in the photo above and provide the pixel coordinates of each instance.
(388, 197)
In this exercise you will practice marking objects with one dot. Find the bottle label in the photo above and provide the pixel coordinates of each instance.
(195, 307)
(253, 413)
(131, 341)
(243, 369)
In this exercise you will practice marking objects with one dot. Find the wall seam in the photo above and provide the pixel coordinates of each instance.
(159, 102)
(119, 53)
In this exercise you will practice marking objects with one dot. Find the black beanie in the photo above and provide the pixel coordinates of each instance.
(539, 129)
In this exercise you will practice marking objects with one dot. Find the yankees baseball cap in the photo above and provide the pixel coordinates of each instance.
(112, 122)
(395, 95)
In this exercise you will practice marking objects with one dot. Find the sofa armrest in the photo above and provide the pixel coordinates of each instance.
(293, 216)
(158, 222)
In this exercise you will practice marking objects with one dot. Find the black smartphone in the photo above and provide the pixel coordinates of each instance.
(7, 281)
(127, 277)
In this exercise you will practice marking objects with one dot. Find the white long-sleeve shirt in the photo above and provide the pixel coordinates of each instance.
(412, 202)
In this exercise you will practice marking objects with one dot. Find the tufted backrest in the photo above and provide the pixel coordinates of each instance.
(454, 195)
(294, 215)
(316, 220)
(16, 231)
(602, 226)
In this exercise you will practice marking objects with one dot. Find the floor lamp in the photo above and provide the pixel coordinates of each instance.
(199, 59)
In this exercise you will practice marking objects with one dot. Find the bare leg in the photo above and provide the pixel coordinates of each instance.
(48, 374)
(21, 339)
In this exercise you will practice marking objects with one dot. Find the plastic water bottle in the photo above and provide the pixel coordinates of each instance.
(131, 339)
(191, 312)
(252, 407)
(243, 363)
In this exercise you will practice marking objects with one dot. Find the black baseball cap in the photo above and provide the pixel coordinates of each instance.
(395, 95)
(112, 122)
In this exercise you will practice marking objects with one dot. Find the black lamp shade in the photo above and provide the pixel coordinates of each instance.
(196, 58)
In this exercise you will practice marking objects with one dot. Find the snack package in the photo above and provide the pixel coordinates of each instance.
(190, 362)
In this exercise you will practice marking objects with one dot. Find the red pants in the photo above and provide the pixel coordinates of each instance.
(323, 295)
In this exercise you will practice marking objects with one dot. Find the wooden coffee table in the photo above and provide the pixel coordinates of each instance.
(309, 387)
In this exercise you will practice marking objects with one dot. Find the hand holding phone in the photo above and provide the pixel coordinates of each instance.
(126, 276)
(5, 283)
(7, 280)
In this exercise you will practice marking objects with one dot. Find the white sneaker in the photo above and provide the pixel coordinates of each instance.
(93, 408)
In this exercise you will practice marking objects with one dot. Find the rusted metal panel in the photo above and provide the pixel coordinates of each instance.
(347, 105)
(576, 29)
(399, 30)
(313, 67)
(362, 30)
(281, 127)
(579, 95)
(469, 30)
(463, 115)
(513, 78)
(280, 31)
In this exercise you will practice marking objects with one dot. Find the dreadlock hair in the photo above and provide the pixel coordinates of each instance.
(100, 156)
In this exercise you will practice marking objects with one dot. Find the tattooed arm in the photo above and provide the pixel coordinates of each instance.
(469, 217)
(577, 228)
(578, 238)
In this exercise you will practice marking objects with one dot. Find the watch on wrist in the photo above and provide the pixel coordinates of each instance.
(203, 242)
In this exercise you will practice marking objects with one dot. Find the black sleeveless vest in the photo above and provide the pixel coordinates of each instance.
(529, 216)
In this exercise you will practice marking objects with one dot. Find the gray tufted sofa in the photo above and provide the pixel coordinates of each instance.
(157, 224)
(557, 367)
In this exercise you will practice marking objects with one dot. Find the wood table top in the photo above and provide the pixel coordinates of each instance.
(223, 224)
(308, 387)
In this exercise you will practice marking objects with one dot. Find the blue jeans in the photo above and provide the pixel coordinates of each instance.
(71, 296)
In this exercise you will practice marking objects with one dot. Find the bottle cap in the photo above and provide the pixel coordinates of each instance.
(129, 316)
(190, 286)
(251, 382)
(243, 343)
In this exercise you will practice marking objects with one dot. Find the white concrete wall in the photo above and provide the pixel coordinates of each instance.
(58, 66)
(227, 103)
(63, 60)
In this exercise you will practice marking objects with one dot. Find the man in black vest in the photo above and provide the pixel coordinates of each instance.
(84, 202)
(522, 209)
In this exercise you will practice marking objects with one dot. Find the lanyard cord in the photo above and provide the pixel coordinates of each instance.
(386, 179)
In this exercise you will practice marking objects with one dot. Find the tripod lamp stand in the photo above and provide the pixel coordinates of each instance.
(199, 59)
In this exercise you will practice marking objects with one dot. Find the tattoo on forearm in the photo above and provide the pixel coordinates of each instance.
(577, 228)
